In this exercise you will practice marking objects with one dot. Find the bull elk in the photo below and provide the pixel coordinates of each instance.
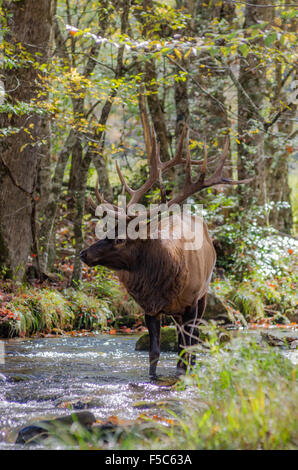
(160, 274)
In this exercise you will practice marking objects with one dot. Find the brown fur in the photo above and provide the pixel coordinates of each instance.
(166, 278)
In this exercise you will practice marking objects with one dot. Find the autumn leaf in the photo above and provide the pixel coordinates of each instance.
(178, 53)
(289, 148)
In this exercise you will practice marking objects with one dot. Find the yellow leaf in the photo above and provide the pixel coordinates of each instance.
(178, 53)
(187, 53)
(23, 147)
(278, 21)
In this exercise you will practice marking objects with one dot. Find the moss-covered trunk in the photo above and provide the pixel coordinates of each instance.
(29, 37)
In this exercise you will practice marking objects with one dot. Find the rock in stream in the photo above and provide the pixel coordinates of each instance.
(40, 430)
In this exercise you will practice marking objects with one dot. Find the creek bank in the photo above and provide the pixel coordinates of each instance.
(68, 427)
(47, 311)
(44, 311)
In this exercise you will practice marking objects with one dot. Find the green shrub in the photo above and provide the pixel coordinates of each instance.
(52, 310)
(42, 310)
(39, 310)
(90, 312)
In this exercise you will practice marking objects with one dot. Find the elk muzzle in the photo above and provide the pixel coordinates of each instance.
(96, 252)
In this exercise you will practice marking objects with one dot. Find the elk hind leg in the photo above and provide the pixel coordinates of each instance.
(188, 334)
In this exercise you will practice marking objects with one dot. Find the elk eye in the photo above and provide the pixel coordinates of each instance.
(119, 241)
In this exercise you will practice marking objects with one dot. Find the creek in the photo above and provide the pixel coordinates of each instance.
(40, 379)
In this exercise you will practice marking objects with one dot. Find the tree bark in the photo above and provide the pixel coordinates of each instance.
(30, 24)
(155, 108)
(46, 221)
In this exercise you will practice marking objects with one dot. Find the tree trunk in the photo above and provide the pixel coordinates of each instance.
(252, 79)
(81, 177)
(47, 218)
(155, 108)
(30, 24)
(182, 118)
(79, 200)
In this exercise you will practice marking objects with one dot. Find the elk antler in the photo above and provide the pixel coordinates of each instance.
(109, 208)
(191, 187)
(157, 168)
(155, 164)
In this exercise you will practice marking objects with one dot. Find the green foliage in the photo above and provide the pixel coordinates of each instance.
(244, 243)
(245, 386)
(257, 297)
(293, 181)
(43, 310)
(90, 313)
(248, 302)
(51, 310)
(39, 310)
(107, 288)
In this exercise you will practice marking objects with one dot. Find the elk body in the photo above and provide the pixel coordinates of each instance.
(165, 275)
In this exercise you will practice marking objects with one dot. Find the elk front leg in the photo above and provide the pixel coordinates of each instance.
(153, 325)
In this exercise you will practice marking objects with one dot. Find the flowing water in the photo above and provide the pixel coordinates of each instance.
(41, 377)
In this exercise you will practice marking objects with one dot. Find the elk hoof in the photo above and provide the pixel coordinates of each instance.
(153, 376)
(180, 371)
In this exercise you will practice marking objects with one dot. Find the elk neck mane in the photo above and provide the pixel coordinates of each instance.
(157, 273)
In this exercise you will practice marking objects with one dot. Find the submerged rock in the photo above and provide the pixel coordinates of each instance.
(285, 341)
(79, 404)
(19, 378)
(117, 429)
(146, 405)
(293, 317)
(36, 432)
(31, 434)
(168, 341)
(215, 308)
